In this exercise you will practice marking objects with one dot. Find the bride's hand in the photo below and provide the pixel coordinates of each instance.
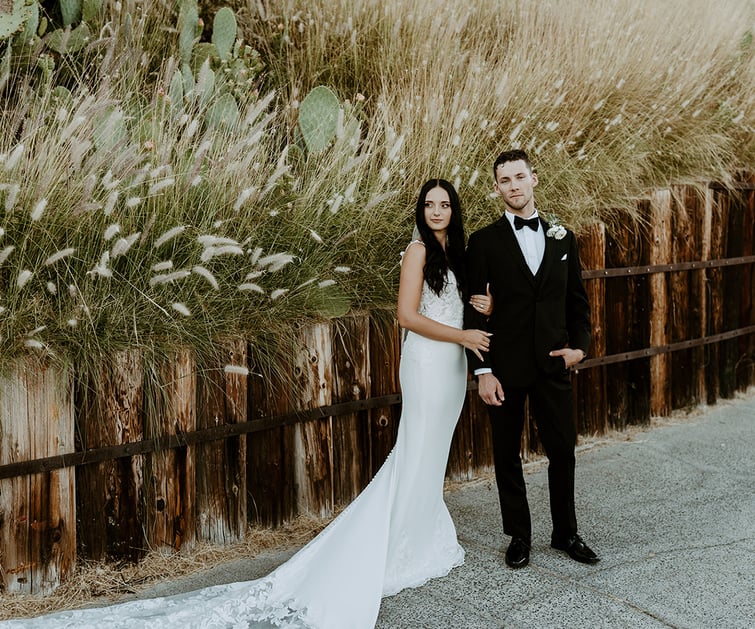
(476, 340)
(483, 303)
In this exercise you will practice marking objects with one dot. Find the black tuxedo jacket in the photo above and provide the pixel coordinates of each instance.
(532, 314)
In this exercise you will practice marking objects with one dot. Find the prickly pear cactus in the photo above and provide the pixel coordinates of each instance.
(90, 9)
(224, 32)
(224, 112)
(188, 21)
(70, 11)
(318, 118)
(14, 16)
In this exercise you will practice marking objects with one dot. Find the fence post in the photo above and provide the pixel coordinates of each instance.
(351, 446)
(37, 511)
(221, 465)
(660, 253)
(590, 400)
(109, 494)
(270, 486)
(169, 475)
(705, 203)
(385, 350)
(313, 378)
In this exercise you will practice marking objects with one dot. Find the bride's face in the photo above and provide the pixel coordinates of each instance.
(438, 211)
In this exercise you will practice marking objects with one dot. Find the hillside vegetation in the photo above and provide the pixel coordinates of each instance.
(159, 185)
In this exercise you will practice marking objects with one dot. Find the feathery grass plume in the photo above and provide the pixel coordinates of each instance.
(169, 278)
(181, 309)
(326, 283)
(203, 272)
(14, 158)
(277, 293)
(101, 268)
(251, 287)
(276, 261)
(23, 278)
(159, 186)
(122, 245)
(59, 255)
(168, 236)
(5, 253)
(165, 265)
(112, 198)
(111, 231)
(38, 210)
(238, 370)
(11, 197)
(223, 250)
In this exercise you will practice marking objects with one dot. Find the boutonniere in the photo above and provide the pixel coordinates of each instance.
(555, 230)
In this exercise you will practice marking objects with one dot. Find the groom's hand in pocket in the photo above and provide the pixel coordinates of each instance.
(490, 389)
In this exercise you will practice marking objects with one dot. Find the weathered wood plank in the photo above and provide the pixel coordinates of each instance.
(746, 363)
(714, 317)
(313, 378)
(732, 294)
(270, 486)
(170, 481)
(109, 495)
(38, 511)
(627, 326)
(590, 385)
(351, 381)
(221, 465)
(684, 302)
(660, 253)
(385, 351)
(482, 435)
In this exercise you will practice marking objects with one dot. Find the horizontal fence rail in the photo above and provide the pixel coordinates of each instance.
(224, 431)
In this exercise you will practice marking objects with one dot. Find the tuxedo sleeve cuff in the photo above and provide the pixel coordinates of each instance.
(482, 370)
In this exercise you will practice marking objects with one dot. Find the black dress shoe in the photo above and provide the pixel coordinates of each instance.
(518, 553)
(576, 549)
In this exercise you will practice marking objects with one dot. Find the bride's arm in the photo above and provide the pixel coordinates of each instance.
(409, 294)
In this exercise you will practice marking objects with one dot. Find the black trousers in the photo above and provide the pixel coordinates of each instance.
(551, 406)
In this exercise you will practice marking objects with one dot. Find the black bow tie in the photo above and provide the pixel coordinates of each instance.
(532, 223)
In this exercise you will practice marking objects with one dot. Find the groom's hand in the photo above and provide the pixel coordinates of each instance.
(570, 356)
(490, 389)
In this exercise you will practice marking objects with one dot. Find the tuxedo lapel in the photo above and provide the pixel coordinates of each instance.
(515, 251)
(549, 255)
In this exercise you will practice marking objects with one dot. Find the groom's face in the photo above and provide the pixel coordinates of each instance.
(514, 184)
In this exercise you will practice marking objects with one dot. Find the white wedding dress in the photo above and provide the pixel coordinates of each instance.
(396, 534)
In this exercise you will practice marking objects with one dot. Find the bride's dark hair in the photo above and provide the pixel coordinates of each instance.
(437, 262)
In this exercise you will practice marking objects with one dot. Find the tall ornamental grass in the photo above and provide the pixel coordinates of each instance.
(151, 200)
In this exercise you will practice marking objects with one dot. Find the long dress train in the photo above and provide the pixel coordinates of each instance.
(396, 534)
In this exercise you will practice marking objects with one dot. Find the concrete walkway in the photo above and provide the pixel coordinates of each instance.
(671, 512)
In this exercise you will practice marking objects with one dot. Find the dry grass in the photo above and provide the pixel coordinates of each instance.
(610, 103)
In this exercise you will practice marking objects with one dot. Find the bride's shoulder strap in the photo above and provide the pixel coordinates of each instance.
(413, 242)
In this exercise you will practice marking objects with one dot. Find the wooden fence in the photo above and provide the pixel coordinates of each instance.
(100, 465)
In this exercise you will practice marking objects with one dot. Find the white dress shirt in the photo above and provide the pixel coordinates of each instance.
(531, 242)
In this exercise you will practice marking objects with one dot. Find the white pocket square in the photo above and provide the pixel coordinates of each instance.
(563, 257)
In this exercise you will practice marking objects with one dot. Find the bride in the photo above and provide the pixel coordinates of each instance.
(397, 533)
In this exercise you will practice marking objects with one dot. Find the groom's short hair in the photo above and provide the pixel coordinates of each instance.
(514, 155)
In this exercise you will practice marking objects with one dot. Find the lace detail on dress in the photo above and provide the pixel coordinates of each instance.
(445, 308)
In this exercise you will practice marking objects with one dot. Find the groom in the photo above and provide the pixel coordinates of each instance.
(540, 327)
